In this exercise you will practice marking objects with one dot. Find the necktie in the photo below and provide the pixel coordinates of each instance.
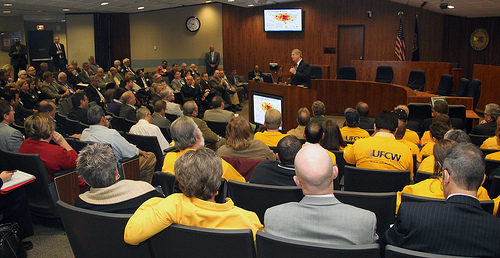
(100, 95)
(55, 88)
(296, 65)
(144, 82)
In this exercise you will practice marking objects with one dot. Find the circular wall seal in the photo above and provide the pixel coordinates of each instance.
(479, 39)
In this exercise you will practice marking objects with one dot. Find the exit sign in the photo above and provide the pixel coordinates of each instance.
(39, 27)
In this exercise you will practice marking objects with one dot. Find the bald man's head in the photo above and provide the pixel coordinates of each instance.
(314, 170)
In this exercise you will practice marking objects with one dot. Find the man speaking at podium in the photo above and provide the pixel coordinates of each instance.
(301, 70)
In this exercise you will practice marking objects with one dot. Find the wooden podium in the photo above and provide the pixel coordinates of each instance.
(293, 98)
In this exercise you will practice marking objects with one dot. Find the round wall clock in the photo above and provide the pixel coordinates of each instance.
(479, 39)
(193, 24)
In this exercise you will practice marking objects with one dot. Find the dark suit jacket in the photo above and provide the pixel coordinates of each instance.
(366, 122)
(79, 114)
(53, 53)
(141, 83)
(92, 94)
(190, 92)
(208, 59)
(457, 227)
(128, 112)
(485, 129)
(252, 74)
(19, 59)
(303, 75)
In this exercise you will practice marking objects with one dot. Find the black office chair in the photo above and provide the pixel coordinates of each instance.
(478, 139)
(127, 124)
(458, 116)
(494, 190)
(347, 73)
(463, 85)
(98, 234)
(166, 181)
(488, 151)
(341, 163)
(76, 144)
(445, 85)
(166, 132)
(20, 128)
(117, 123)
(398, 252)
(421, 176)
(486, 205)
(419, 111)
(416, 80)
(375, 180)
(258, 198)
(72, 127)
(267, 77)
(474, 91)
(218, 127)
(185, 241)
(273, 246)
(171, 117)
(316, 72)
(382, 204)
(385, 74)
(149, 144)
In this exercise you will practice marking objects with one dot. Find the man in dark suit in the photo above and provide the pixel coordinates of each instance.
(58, 54)
(212, 60)
(489, 124)
(93, 93)
(365, 122)
(255, 74)
(127, 110)
(18, 59)
(459, 226)
(301, 71)
(80, 105)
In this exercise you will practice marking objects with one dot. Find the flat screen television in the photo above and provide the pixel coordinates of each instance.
(283, 19)
(262, 102)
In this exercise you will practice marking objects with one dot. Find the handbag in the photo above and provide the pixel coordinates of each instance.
(10, 244)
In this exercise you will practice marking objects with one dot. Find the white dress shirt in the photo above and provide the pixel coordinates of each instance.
(143, 127)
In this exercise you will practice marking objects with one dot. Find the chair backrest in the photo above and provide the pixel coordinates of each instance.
(347, 73)
(382, 204)
(171, 117)
(316, 72)
(19, 127)
(486, 205)
(147, 143)
(98, 234)
(492, 167)
(258, 198)
(117, 123)
(416, 80)
(166, 132)
(218, 127)
(339, 156)
(463, 86)
(488, 151)
(494, 190)
(421, 176)
(267, 77)
(72, 127)
(398, 252)
(244, 166)
(165, 180)
(65, 105)
(186, 241)
(130, 168)
(41, 194)
(385, 74)
(375, 180)
(445, 85)
(419, 111)
(273, 246)
(67, 187)
(457, 111)
(84, 126)
(474, 91)
(478, 139)
(128, 124)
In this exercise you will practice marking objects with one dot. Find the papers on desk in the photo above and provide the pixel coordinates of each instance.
(84, 85)
(18, 179)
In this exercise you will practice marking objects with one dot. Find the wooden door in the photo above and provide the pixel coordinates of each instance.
(351, 44)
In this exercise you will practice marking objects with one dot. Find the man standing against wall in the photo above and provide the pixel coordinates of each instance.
(56, 51)
(212, 60)
(18, 59)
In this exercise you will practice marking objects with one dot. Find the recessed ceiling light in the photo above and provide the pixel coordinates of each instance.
(230, 0)
(65, 10)
(250, 5)
(140, 7)
(7, 4)
(104, 3)
(6, 11)
(451, 6)
(208, 1)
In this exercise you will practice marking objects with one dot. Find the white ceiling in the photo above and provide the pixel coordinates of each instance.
(464, 8)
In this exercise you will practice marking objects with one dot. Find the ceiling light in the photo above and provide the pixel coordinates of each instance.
(451, 6)
(230, 0)
(6, 11)
(7, 4)
(250, 5)
(207, 1)
(104, 3)
(140, 7)
(65, 10)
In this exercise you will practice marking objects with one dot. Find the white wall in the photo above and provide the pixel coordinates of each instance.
(80, 37)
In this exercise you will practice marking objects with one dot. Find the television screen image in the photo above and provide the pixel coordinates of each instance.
(263, 102)
(283, 20)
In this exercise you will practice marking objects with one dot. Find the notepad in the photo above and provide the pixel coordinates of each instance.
(18, 179)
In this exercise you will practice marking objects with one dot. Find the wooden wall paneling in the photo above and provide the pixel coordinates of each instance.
(490, 87)
(119, 33)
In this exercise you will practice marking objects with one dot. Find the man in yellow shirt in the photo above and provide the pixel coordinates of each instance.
(402, 121)
(187, 136)
(382, 151)
(495, 155)
(409, 135)
(272, 135)
(491, 143)
(198, 173)
(351, 132)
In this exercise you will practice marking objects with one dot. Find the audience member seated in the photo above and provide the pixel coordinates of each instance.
(62, 82)
(488, 125)
(187, 136)
(233, 91)
(426, 137)
(303, 118)
(437, 131)
(163, 69)
(191, 110)
(218, 113)
(156, 88)
(14, 208)
(332, 139)
(365, 122)
(491, 143)
(171, 74)
(240, 145)
(219, 90)
(40, 129)
(72, 75)
(351, 132)
(319, 217)
(493, 156)
(96, 164)
(146, 127)
(10, 138)
(28, 97)
(198, 173)
(382, 151)
(314, 133)
(456, 135)
(85, 74)
(318, 108)
(158, 117)
(80, 106)
(177, 82)
(127, 110)
(100, 133)
(402, 121)
(21, 113)
(235, 81)
(255, 74)
(441, 107)
(409, 135)
(93, 92)
(190, 91)
(167, 95)
(115, 105)
(459, 226)
(272, 121)
(281, 171)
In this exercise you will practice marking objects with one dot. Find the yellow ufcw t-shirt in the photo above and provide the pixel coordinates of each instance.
(490, 143)
(412, 136)
(351, 134)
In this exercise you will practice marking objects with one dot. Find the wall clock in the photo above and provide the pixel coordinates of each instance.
(193, 24)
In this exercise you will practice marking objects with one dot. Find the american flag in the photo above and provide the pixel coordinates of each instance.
(400, 42)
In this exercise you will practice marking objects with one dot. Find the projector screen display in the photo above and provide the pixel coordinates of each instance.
(262, 102)
(283, 20)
